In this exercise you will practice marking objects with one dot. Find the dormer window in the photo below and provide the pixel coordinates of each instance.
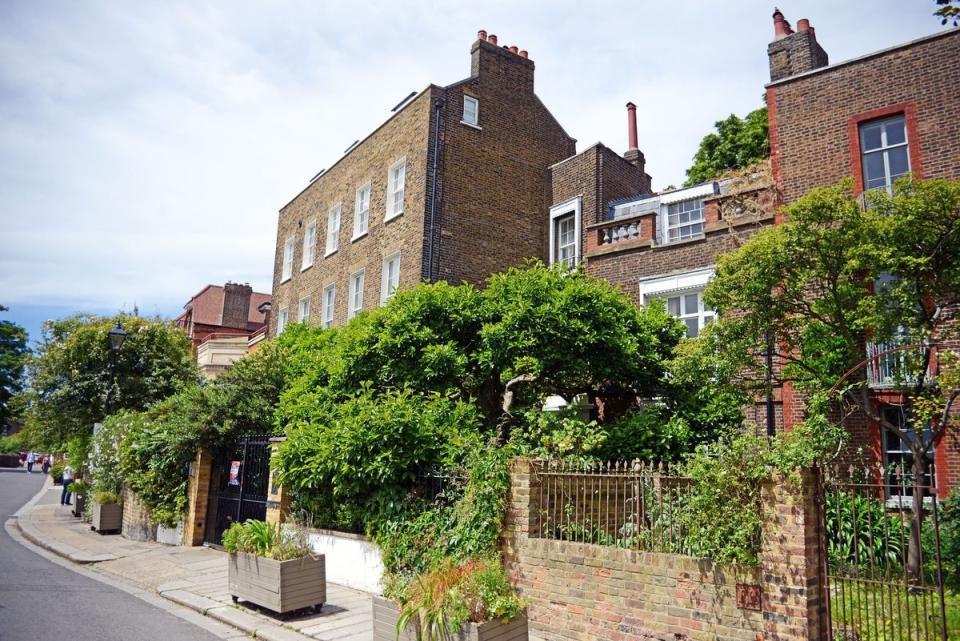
(471, 111)
(683, 220)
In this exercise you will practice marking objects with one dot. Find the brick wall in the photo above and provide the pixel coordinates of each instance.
(137, 524)
(577, 591)
(811, 114)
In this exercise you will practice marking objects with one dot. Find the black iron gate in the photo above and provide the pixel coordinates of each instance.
(883, 573)
(238, 486)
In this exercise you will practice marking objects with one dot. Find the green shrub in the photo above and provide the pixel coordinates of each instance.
(107, 498)
(949, 521)
(56, 470)
(268, 540)
(10, 444)
(860, 532)
(79, 487)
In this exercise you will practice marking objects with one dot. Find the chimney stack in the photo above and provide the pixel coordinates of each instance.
(632, 126)
(792, 53)
(236, 305)
(511, 65)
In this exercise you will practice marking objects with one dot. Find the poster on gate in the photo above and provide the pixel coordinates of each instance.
(234, 473)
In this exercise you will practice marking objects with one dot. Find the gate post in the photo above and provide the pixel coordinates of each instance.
(278, 499)
(793, 587)
(198, 496)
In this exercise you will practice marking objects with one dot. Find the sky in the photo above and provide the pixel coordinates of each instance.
(146, 147)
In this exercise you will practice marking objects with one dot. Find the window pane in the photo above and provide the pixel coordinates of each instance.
(690, 304)
(896, 134)
(693, 327)
(899, 163)
(873, 170)
(673, 305)
(870, 136)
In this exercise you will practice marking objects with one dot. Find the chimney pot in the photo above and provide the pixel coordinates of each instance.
(523, 53)
(779, 24)
(481, 35)
(632, 125)
(803, 24)
(492, 38)
(514, 49)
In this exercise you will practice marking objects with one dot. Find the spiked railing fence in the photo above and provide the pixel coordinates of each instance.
(628, 504)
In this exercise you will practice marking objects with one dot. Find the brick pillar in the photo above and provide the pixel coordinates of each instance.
(198, 494)
(278, 499)
(521, 512)
(794, 590)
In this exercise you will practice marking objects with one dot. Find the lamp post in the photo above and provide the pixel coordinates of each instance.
(117, 336)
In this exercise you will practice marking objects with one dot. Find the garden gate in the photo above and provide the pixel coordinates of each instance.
(867, 524)
(239, 483)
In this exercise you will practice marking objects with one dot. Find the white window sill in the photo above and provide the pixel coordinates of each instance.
(304, 268)
(390, 217)
(331, 252)
(471, 125)
(682, 241)
(358, 237)
(283, 280)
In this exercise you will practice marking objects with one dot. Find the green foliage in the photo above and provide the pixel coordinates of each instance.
(860, 532)
(70, 373)
(737, 144)
(106, 498)
(13, 355)
(439, 603)
(79, 487)
(56, 470)
(947, 11)
(11, 444)
(268, 540)
(949, 522)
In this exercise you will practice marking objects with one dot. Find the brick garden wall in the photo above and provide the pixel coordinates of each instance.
(137, 524)
(579, 591)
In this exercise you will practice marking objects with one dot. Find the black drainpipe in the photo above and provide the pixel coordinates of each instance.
(437, 105)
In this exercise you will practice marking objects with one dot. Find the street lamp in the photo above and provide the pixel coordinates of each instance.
(117, 336)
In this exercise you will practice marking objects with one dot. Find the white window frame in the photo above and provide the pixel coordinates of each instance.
(355, 302)
(884, 149)
(666, 287)
(392, 189)
(287, 268)
(329, 304)
(388, 289)
(361, 217)
(333, 229)
(475, 121)
(309, 245)
(668, 228)
(574, 206)
(283, 319)
(303, 310)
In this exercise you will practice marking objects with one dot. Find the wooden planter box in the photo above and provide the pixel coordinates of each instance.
(107, 517)
(386, 613)
(281, 586)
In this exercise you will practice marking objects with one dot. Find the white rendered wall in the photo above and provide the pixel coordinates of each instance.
(351, 560)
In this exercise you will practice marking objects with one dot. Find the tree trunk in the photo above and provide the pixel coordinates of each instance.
(915, 549)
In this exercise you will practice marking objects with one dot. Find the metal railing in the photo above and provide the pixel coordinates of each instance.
(897, 363)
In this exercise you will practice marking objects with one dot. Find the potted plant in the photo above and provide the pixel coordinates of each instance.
(56, 472)
(79, 489)
(470, 600)
(107, 512)
(274, 569)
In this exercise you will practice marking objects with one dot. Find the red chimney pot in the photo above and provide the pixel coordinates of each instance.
(779, 24)
(632, 125)
(481, 35)
(514, 49)
(523, 53)
(803, 24)
(492, 38)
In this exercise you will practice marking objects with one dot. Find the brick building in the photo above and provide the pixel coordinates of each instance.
(451, 187)
(224, 323)
(875, 118)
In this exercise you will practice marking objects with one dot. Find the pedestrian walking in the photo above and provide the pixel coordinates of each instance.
(31, 459)
(67, 481)
(46, 464)
(23, 458)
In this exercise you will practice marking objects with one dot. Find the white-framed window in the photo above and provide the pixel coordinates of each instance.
(329, 302)
(396, 178)
(361, 212)
(898, 457)
(683, 220)
(303, 310)
(287, 272)
(390, 277)
(471, 111)
(565, 233)
(333, 229)
(683, 296)
(309, 245)
(356, 294)
(283, 317)
(884, 152)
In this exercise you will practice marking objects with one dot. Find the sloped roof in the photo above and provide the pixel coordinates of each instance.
(207, 306)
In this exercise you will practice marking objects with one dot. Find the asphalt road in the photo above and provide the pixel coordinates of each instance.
(42, 601)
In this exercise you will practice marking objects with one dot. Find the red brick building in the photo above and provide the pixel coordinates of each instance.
(451, 187)
(229, 310)
(876, 118)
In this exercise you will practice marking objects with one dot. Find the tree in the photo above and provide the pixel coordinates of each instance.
(948, 11)
(737, 144)
(13, 355)
(839, 274)
(70, 373)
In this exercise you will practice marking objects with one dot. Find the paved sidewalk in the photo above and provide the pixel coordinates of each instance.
(192, 576)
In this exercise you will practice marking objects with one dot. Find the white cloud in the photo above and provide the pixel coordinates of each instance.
(145, 148)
